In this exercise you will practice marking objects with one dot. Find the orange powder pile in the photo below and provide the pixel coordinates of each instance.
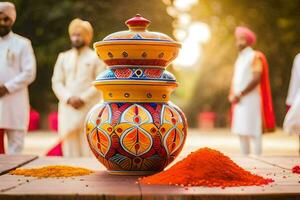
(206, 167)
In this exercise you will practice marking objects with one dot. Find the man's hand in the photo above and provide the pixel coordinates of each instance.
(234, 98)
(3, 91)
(75, 102)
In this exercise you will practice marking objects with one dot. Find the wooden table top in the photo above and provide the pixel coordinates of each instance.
(101, 185)
(8, 163)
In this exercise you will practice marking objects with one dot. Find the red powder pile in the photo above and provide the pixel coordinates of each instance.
(206, 167)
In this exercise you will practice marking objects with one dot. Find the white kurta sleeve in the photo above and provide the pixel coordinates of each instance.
(294, 86)
(58, 80)
(27, 67)
(291, 122)
(92, 91)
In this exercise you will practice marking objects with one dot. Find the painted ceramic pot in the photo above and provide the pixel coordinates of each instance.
(136, 130)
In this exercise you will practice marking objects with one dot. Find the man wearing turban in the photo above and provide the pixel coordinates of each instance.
(250, 95)
(17, 71)
(74, 72)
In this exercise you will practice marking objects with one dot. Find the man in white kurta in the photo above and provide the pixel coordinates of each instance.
(246, 116)
(294, 87)
(292, 120)
(17, 71)
(74, 72)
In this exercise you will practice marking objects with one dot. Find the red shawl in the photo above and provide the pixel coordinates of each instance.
(268, 115)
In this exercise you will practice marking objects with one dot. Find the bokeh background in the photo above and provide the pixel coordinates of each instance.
(205, 27)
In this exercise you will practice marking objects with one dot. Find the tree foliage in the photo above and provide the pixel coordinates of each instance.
(276, 23)
(46, 23)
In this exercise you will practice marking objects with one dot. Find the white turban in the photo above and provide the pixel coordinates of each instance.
(8, 9)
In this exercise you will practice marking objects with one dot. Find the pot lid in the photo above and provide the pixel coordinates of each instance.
(137, 46)
(138, 31)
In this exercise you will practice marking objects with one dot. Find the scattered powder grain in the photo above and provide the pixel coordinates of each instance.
(296, 169)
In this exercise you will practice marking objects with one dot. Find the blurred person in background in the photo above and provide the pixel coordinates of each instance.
(291, 122)
(250, 95)
(294, 87)
(74, 72)
(17, 71)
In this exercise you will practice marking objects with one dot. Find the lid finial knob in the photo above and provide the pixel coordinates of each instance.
(138, 23)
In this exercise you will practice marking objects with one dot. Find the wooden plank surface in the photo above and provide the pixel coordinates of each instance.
(8, 163)
(98, 185)
(101, 185)
(286, 162)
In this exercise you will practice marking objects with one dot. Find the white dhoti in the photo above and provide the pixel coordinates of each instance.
(15, 140)
(71, 130)
(75, 144)
(247, 119)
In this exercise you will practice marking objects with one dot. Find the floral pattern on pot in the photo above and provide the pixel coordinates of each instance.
(142, 137)
(136, 73)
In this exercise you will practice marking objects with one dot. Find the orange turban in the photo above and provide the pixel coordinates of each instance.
(84, 27)
(9, 10)
(247, 33)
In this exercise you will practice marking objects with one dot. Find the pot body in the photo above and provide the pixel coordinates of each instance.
(131, 138)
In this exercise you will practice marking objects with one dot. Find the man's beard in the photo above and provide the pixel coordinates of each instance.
(241, 47)
(78, 45)
(4, 30)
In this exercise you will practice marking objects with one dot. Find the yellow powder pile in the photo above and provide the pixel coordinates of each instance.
(55, 171)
